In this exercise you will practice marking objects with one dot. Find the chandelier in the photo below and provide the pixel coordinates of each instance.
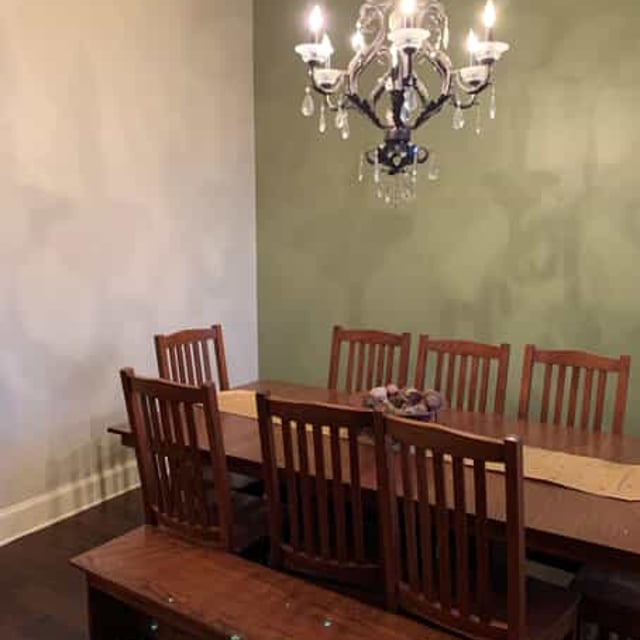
(405, 44)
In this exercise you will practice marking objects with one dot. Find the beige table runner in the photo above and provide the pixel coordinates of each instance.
(589, 475)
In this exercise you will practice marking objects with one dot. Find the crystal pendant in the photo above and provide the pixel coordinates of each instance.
(478, 122)
(458, 119)
(433, 172)
(376, 169)
(411, 99)
(414, 169)
(346, 129)
(339, 121)
(361, 168)
(308, 107)
(492, 103)
(405, 113)
(322, 125)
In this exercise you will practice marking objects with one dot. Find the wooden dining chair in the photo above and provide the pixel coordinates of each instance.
(182, 464)
(373, 358)
(587, 387)
(318, 513)
(437, 522)
(464, 371)
(185, 356)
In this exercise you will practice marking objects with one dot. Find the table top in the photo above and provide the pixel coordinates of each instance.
(227, 595)
(576, 525)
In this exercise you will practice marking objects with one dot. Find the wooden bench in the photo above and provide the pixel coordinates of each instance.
(148, 584)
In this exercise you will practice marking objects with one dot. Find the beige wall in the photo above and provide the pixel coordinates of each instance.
(126, 208)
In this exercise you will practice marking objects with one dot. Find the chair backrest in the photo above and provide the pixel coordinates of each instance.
(181, 457)
(185, 357)
(374, 358)
(436, 522)
(584, 404)
(317, 508)
(464, 371)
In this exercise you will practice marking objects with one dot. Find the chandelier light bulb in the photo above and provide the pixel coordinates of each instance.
(316, 21)
(357, 41)
(408, 7)
(472, 42)
(489, 15)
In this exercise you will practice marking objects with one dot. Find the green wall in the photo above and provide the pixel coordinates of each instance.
(532, 233)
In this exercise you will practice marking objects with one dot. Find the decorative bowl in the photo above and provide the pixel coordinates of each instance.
(406, 403)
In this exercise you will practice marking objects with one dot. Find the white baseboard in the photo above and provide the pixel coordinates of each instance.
(36, 513)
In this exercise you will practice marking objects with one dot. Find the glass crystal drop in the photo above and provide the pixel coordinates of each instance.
(361, 168)
(405, 114)
(492, 103)
(376, 170)
(379, 193)
(322, 125)
(458, 119)
(411, 99)
(434, 169)
(478, 128)
(339, 121)
(346, 129)
(308, 107)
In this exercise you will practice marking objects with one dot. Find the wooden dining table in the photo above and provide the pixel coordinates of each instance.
(560, 521)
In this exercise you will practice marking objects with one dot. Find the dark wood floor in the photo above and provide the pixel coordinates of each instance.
(41, 596)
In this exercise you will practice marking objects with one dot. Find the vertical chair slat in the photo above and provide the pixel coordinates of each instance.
(338, 494)
(600, 397)
(473, 384)
(178, 460)
(462, 382)
(175, 372)
(182, 374)
(356, 497)
(190, 372)
(439, 367)
(360, 372)
(409, 514)
(350, 364)
(586, 399)
(546, 392)
(573, 396)
(197, 363)
(483, 585)
(425, 524)
(291, 481)
(306, 490)
(194, 494)
(371, 357)
(156, 440)
(451, 368)
(442, 523)
(560, 383)
(389, 374)
(321, 489)
(461, 536)
(380, 366)
(484, 384)
(206, 359)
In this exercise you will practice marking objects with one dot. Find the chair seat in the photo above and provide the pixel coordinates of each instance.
(552, 611)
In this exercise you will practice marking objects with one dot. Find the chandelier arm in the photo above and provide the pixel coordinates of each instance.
(363, 106)
(369, 13)
(433, 107)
